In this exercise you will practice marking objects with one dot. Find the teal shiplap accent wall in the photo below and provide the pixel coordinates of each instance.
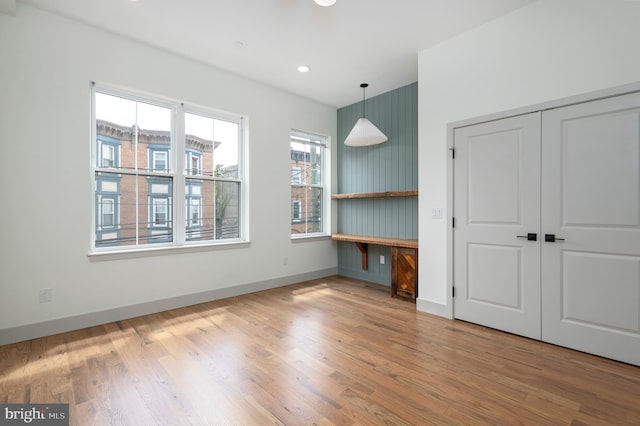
(390, 166)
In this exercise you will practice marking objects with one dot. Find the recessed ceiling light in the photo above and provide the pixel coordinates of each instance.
(325, 2)
(303, 68)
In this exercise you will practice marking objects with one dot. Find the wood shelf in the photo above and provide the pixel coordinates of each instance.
(363, 241)
(408, 193)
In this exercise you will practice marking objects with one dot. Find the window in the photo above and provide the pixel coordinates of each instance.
(192, 162)
(108, 152)
(160, 160)
(160, 211)
(142, 164)
(308, 193)
(107, 155)
(195, 211)
(295, 215)
(296, 175)
(107, 212)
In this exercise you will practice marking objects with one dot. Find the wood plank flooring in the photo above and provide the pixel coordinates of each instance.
(333, 351)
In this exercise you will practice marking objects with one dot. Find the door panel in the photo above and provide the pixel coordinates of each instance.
(494, 177)
(600, 168)
(501, 286)
(497, 274)
(587, 301)
(591, 199)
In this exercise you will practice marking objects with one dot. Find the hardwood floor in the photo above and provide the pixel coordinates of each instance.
(330, 351)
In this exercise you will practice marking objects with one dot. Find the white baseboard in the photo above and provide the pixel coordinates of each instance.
(76, 322)
(430, 307)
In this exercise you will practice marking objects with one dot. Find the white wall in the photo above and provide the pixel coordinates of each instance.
(548, 50)
(46, 65)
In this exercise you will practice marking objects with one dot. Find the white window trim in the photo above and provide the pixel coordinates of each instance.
(176, 167)
(325, 142)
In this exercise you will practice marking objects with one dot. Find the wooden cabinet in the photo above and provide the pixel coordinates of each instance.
(404, 272)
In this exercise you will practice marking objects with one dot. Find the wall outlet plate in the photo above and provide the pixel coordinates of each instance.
(45, 295)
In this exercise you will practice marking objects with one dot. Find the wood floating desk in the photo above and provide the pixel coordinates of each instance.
(404, 261)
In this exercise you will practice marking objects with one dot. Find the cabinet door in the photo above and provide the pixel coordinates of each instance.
(496, 206)
(591, 199)
(404, 272)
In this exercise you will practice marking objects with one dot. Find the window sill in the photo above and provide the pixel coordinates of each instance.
(312, 237)
(99, 256)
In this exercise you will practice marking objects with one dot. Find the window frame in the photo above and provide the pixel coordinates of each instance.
(323, 141)
(176, 215)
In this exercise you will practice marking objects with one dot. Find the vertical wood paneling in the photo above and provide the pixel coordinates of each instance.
(391, 166)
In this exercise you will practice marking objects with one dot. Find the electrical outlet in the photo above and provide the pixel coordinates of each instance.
(382, 260)
(285, 261)
(45, 295)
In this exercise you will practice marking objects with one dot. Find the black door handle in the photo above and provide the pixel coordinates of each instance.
(530, 236)
(551, 238)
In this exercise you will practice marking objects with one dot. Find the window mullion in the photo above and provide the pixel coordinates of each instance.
(179, 184)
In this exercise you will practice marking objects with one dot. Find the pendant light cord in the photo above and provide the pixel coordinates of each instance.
(364, 104)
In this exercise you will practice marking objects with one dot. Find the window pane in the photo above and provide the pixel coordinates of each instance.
(299, 162)
(315, 165)
(213, 144)
(199, 224)
(227, 210)
(225, 157)
(306, 210)
(142, 215)
(307, 183)
(134, 126)
(314, 210)
(198, 144)
(159, 193)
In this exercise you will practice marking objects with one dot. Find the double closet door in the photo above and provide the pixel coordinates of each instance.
(547, 233)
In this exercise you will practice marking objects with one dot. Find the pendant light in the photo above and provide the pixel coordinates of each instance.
(364, 133)
(325, 2)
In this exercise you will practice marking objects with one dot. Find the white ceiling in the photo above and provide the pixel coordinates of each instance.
(351, 42)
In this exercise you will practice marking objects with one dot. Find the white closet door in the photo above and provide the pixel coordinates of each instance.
(591, 199)
(497, 199)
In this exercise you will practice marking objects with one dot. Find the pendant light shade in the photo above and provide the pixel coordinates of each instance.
(325, 2)
(364, 133)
